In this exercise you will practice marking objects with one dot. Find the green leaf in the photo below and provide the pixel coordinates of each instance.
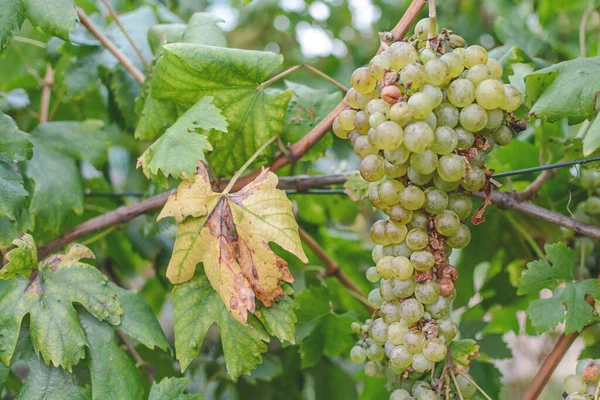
(165, 33)
(279, 319)
(125, 89)
(13, 14)
(541, 274)
(47, 297)
(55, 18)
(13, 193)
(320, 330)
(202, 28)
(488, 377)
(138, 320)
(356, 187)
(306, 109)
(463, 351)
(114, 375)
(22, 260)
(196, 307)
(267, 371)
(187, 72)
(567, 89)
(172, 389)
(13, 142)
(591, 141)
(178, 151)
(155, 117)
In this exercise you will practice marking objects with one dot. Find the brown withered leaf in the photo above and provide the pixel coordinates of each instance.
(230, 235)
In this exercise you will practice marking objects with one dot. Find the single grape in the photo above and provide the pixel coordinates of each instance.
(447, 328)
(384, 267)
(413, 75)
(451, 167)
(447, 223)
(421, 105)
(455, 63)
(374, 298)
(478, 74)
(420, 387)
(378, 235)
(445, 140)
(434, 93)
(396, 332)
(362, 80)
(512, 98)
(401, 113)
(398, 156)
(582, 365)
(466, 387)
(412, 198)
(592, 205)
(427, 292)
(421, 364)
(375, 352)
(417, 178)
(389, 191)
(474, 180)
(444, 185)
(418, 137)
(465, 138)
(422, 29)
(460, 239)
(436, 201)
(390, 312)
(419, 220)
(461, 93)
(402, 268)
(376, 119)
(430, 120)
(426, 55)
(358, 100)
(346, 119)
(414, 340)
(401, 357)
(436, 71)
(371, 168)
(425, 162)
(358, 355)
(403, 288)
(495, 118)
(395, 233)
(475, 55)
(417, 239)
(361, 122)
(371, 369)
(401, 54)
(377, 253)
(401, 394)
(355, 326)
(400, 214)
(434, 350)
(377, 106)
(428, 395)
(502, 135)
(479, 159)
(447, 115)
(495, 68)
(574, 383)
(456, 42)
(473, 118)
(380, 64)
(395, 171)
(338, 130)
(373, 195)
(372, 275)
(364, 148)
(379, 331)
(422, 260)
(386, 290)
(490, 94)
(391, 94)
(402, 250)
(461, 204)
(439, 308)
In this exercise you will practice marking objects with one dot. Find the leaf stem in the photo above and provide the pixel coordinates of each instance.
(460, 396)
(98, 236)
(467, 377)
(526, 235)
(139, 361)
(114, 15)
(46, 92)
(308, 67)
(247, 164)
(432, 31)
(582, 27)
(29, 41)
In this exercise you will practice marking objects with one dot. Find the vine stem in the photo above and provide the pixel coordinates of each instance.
(432, 31)
(46, 92)
(467, 377)
(139, 361)
(114, 15)
(460, 396)
(110, 46)
(311, 69)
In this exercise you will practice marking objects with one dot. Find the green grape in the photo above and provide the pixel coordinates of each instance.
(395, 171)
(346, 119)
(447, 328)
(461, 204)
(422, 260)
(447, 223)
(414, 340)
(436, 201)
(436, 71)
(371, 168)
(401, 113)
(418, 137)
(338, 130)
(495, 68)
(502, 135)
(395, 233)
(400, 214)
(430, 120)
(374, 298)
(427, 292)
(396, 332)
(401, 357)
(389, 191)
(373, 195)
(574, 383)
(412, 198)
(421, 364)
(390, 312)
(364, 148)
(411, 310)
(403, 288)
(582, 366)
(352, 136)
(358, 355)
(417, 239)
(474, 180)
(445, 140)
(377, 253)
(375, 353)
(376, 119)
(401, 394)
(377, 106)
(455, 63)
(384, 267)
(460, 239)
(426, 55)
(439, 308)
(592, 205)
(428, 395)
(371, 369)
(362, 81)
(398, 156)
(495, 118)
(401, 54)
(475, 55)
(359, 100)
(378, 235)
(402, 268)
(421, 105)
(444, 185)
(478, 74)
(361, 123)
(413, 75)
(479, 159)
(379, 65)
(512, 98)
(424, 163)
(490, 94)
(435, 350)
(461, 93)
(378, 331)
(386, 290)
(372, 275)
(473, 118)
(466, 388)
(451, 167)
(447, 115)
(422, 29)
(388, 135)
(420, 387)
(465, 138)
(419, 220)
(402, 250)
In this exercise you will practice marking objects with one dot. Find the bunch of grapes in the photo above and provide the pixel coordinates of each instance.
(585, 384)
(423, 118)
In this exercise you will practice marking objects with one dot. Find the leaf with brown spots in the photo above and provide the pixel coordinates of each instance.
(230, 235)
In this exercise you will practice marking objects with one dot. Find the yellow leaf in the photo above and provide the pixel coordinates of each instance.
(230, 235)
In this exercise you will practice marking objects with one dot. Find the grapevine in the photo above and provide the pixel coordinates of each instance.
(423, 116)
